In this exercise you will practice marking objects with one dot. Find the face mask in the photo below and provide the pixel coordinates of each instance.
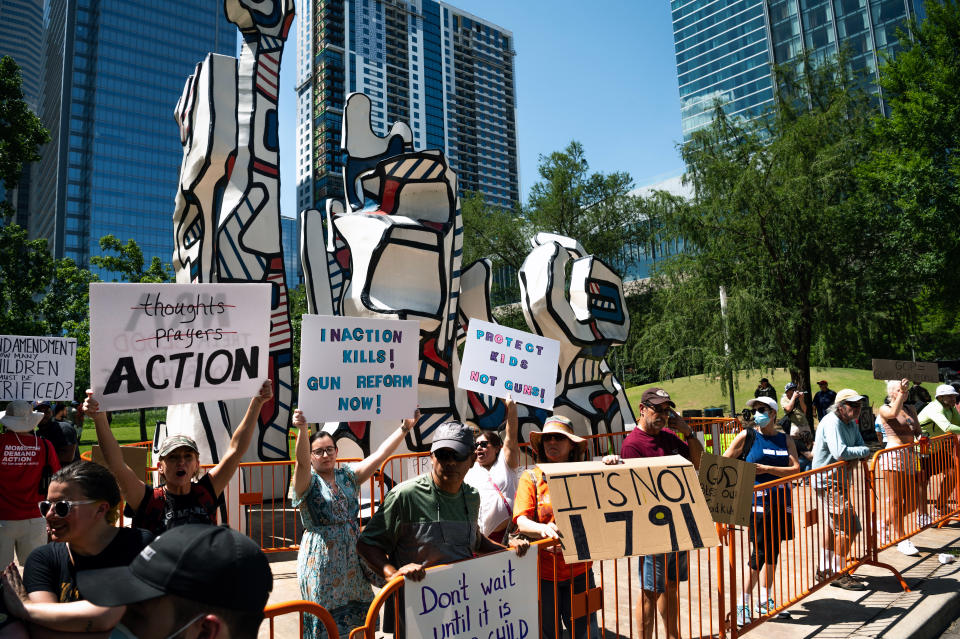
(761, 419)
(120, 631)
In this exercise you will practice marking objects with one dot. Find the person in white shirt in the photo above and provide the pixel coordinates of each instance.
(495, 475)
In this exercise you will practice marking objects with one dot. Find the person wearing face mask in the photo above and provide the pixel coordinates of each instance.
(180, 500)
(205, 582)
(775, 456)
(81, 511)
(838, 439)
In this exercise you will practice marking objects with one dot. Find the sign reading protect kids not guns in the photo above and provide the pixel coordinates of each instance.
(641, 507)
(498, 361)
(484, 598)
(161, 344)
(358, 369)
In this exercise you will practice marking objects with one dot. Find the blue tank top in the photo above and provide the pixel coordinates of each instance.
(770, 451)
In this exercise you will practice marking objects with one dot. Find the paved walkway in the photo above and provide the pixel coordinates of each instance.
(829, 613)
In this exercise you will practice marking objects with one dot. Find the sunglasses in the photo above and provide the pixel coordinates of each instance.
(555, 437)
(481, 445)
(662, 409)
(761, 409)
(61, 508)
(448, 454)
(320, 452)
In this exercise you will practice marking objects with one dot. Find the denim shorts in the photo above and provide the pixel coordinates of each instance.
(656, 569)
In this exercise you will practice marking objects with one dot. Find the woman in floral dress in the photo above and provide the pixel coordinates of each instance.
(328, 567)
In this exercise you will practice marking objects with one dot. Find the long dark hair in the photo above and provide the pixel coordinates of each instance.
(95, 482)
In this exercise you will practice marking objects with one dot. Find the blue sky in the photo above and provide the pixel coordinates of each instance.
(603, 73)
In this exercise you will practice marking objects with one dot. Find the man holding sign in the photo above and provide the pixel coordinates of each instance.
(660, 574)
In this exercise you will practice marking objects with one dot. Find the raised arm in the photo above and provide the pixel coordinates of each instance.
(890, 411)
(131, 486)
(370, 464)
(221, 473)
(301, 465)
(511, 445)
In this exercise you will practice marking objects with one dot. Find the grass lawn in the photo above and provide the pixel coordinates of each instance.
(125, 426)
(699, 391)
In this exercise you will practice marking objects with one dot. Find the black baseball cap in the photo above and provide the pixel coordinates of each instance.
(214, 565)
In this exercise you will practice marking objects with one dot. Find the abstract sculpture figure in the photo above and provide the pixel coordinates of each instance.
(227, 217)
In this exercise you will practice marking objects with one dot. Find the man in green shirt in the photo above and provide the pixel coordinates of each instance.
(937, 418)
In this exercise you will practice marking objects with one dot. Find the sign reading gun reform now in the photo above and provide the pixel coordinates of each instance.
(641, 507)
(161, 344)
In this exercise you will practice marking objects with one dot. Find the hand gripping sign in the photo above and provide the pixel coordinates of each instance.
(641, 507)
(160, 344)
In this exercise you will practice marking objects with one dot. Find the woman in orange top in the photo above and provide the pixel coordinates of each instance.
(533, 515)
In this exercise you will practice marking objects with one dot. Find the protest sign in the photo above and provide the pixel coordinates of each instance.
(358, 369)
(641, 507)
(160, 344)
(484, 598)
(727, 486)
(898, 369)
(37, 368)
(134, 457)
(498, 360)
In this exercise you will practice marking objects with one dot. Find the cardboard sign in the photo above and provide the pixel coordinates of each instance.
(641, 507)
(160, 344)
(498, 360)
(727, 485)
(488, 596)
(898, 369)
(37, 368)
(358, 369)
(133, 456)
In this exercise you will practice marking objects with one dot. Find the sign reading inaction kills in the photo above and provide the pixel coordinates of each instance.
(484, 598)
(160, 344)
(727, 485)
(37, 368)
(641, 507)
(358, 369)
(500, 361)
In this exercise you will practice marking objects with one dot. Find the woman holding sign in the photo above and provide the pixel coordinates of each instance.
(180, 500)
(775, 455)
(495, 475)
(328, 567)
(533, 516)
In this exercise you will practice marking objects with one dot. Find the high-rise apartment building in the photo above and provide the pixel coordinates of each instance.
(726, 48)
(113, 71)
(447, 73)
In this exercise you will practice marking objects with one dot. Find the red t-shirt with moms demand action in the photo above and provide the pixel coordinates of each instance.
(22, 458)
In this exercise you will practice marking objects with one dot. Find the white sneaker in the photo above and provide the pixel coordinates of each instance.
(884, 535)
(906, 547)
(743, 615)
(925, 520)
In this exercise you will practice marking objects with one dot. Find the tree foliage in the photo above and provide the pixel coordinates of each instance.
(774, 221)
(21, 132)
(128, 262)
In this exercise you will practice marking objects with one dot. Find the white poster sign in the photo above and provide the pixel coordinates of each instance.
(37, 368)
(358, 369)
(490, 596)
(160, 344)
(498, 360)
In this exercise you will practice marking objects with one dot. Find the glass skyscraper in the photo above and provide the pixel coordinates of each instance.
(113, 71)
(726, 48)
(448, 74)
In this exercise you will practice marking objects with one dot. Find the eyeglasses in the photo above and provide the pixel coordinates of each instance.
(481, 444)
(662, 409)
(555, 437)
(61, 508)
(448, 454)
(328, 451)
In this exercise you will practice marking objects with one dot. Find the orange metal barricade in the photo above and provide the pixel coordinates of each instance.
(301, 608)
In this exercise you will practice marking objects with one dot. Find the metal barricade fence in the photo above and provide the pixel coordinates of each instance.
(300, 608)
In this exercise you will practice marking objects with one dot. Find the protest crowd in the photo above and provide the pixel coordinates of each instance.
(173, 569)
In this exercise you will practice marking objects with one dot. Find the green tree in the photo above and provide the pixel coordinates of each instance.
(25, 271)
(129, 262)
(21, 132)
(911, 178)
(297, 304)
(774, 222)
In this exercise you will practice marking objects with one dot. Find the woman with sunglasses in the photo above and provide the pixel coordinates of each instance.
(328, 497)
(495, 475)
(182, 498)
(775, 456)
(81, 511)
(533, 517)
